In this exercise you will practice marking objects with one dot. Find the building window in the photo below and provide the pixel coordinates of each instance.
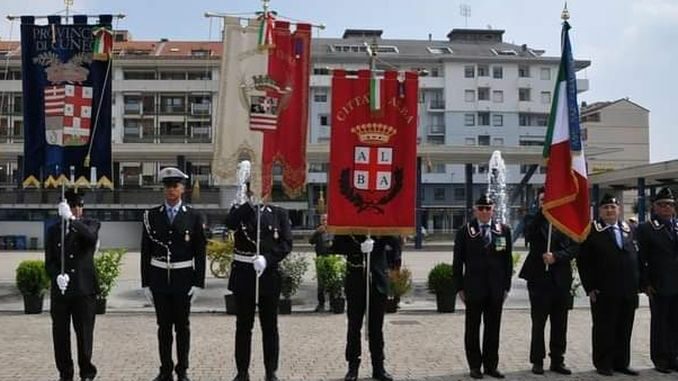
(498, 141)
(320, 95)
(172, 104)
(470, 95)
(498, 96)
(324, 120)
(173, 75)
(439, 194)
(469, 71)
(483, 140)
(497, 120)
(541, 120)
(470, 141)
(483, 118)
(459, 193)
(483, 71)
(435, 72)
(524, 94)
(138, 75)
(531, 141)
(545, 97)
(483, 168)
(469, 120)
(483, 93)
(545, 73)
(523, 71)
(498, 72)
(438, 140)
(200, 75)
(321, 71)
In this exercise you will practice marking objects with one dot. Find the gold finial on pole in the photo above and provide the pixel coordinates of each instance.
(565, 15)
(265, 5)
(69, 4)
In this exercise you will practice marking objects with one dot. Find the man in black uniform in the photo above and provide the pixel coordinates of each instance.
(249, 268)
(482, 270)
(172, 269)
(73, 290)
(355, 247)
(549, 279)
(322, 241)
(658, 244)
(609, 271)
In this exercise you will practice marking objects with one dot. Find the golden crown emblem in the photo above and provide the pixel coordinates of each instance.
(374, 133)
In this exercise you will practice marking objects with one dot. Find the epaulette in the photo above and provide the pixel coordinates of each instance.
(656, 225)
(471, 230)
(626, 228)
(599, 227)
(497, 228)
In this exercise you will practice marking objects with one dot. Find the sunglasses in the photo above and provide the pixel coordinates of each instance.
(484, 208)
(664, 204)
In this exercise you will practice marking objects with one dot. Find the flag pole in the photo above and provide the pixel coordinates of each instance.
(63, 234)
(548, 243)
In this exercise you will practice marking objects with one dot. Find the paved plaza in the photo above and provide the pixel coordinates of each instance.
(420, 343)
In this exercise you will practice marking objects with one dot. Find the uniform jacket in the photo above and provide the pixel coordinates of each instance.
(182, 240)
(349, 245)
(603, 266)
(658, 250)
(276, 243)
(563, 248)
(483, 271)
(81, 242)
(321, 242)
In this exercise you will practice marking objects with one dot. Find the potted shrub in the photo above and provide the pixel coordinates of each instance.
(292, 270)
(440, 283)
(332, 272)
(32, 280)
(220, 255)
(399, 284)
(107, 266)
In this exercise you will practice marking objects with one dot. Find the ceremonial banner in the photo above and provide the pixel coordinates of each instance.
(566, 199)
(66, 102)
(373, 154)
(263, 103)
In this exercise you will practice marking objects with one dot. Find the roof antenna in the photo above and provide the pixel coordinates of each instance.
(465, 12)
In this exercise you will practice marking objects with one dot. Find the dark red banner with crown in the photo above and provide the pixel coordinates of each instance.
(373, 153)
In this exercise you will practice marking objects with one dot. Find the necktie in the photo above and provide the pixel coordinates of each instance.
(618, 236)
(172, 213)
(487, 236)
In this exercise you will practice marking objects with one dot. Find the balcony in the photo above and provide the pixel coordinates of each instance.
(201, 109)
(436, 129)
(436, 105)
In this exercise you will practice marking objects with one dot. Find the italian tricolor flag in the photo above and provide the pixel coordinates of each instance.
(566, 200)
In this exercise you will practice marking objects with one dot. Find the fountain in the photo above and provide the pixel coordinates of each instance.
(496, 186)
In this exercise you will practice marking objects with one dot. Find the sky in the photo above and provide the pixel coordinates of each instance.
(630, 43)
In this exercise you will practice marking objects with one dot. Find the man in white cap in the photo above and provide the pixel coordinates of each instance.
(172, 269)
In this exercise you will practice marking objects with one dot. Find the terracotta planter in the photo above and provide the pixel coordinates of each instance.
(285, 306)
(33, 304)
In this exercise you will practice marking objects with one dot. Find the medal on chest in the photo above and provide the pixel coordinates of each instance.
(187, 236)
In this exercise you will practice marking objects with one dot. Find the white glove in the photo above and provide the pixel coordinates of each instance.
(62, 281)
(65, 211)
(149, 295)
(193, 292)
(259, 265)
(367, 246)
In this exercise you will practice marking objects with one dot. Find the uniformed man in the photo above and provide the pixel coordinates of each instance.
(658, 245)
(250, 267)
(609, 271)
(482, 270)
(73, 289)
(549, 279)
(321, 240)
(355, 247)
(172, 269)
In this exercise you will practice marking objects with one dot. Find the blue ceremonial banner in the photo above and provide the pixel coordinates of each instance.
(67, 102)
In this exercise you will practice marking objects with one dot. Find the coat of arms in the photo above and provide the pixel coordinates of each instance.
(264, 98)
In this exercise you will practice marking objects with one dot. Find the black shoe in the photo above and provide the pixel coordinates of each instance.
(319, 308)
(494, 373)
(242, 377)
(65, 378)
(674, 366)
(271, 377)
(89, 379)
(183, 377)
(662, 369)
(561, 369)
(627, 371)
(475, 373)
(604, 372)
(538, 369)
(164, 377)
(382, 375)
(352, 374)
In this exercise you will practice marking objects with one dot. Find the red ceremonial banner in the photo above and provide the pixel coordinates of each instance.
(285, 144)
(373, 154)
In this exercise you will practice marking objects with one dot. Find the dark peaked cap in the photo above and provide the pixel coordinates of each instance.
(664, 195)
(73, 198)
(608, 199)
(484, 200)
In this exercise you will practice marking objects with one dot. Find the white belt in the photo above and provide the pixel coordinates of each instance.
(171, 265)
(244, 258)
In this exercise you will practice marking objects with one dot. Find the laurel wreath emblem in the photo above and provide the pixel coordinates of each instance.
(360, 202)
